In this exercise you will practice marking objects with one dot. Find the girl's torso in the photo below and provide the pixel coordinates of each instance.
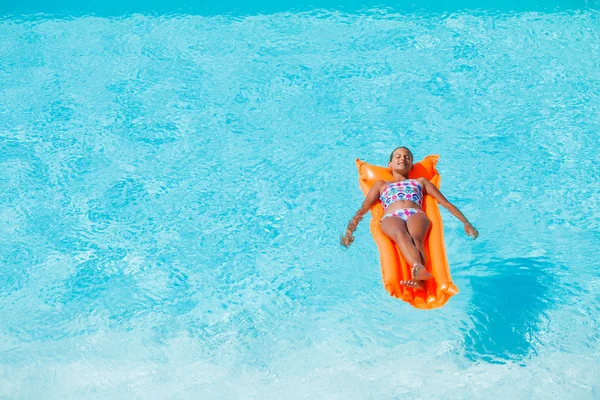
(406, 193)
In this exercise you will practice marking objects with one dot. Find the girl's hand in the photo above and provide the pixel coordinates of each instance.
(347, 240)
(471, 231)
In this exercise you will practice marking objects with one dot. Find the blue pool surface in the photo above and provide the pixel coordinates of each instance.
(236, 8)
(175, 177)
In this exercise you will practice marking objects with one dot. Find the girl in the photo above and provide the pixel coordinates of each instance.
(404, 221)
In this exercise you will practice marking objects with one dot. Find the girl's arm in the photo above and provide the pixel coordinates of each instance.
(433, 191)
(370, 200)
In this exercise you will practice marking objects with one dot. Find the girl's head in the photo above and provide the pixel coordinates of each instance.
(401, 160)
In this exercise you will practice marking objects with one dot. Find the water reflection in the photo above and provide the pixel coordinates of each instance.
(507, 309)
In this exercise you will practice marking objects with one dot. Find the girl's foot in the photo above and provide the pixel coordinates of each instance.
(419, 273)
(413, 283)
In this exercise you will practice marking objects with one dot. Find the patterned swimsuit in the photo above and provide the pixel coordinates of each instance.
(408, 189)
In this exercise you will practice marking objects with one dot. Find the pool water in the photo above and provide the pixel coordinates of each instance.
(173, 187)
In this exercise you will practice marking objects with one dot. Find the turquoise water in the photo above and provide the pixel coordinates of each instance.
(173, 188)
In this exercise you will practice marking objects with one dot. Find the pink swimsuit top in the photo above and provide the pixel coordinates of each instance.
(408, 189)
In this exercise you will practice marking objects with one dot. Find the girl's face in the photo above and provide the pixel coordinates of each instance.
(401, 161)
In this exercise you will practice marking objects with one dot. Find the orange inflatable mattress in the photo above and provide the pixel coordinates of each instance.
(393, 267)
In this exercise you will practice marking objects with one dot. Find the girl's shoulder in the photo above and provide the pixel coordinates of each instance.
(380, 184)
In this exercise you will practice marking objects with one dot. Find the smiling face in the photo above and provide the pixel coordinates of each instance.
(401, 160)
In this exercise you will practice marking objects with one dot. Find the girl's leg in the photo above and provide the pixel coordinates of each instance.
(418, 225)
(395, 228)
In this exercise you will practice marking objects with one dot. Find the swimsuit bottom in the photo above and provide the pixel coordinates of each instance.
(403, 213)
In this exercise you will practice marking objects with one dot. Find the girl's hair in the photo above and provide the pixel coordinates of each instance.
(401, 147)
